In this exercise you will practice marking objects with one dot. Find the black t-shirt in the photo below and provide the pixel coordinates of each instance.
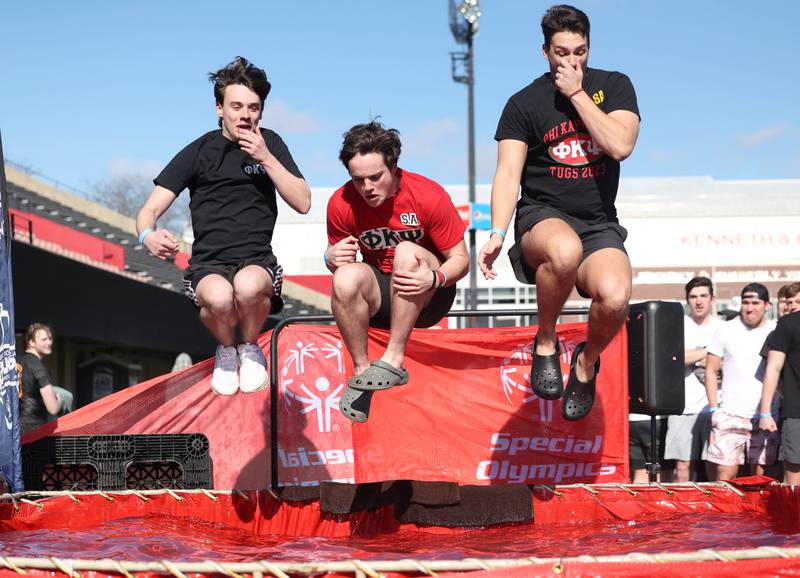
(35, 376)
(564, 168)
(786, 338)
(232, 200)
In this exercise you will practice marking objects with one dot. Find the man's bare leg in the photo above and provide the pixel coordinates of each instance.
(606, 277)
(356, 297)
(252, 290)
(218, 314)
(555, 251)
(217, 308)
(726, 472)
(791, 473)
(683, 471)
(408, 257)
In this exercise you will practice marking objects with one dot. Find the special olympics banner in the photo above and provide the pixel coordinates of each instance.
(467, 415)
(10, 461)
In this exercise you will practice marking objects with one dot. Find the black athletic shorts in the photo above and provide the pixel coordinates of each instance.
(193, 275)
(439, 306)
(639, 442)
(593, 237)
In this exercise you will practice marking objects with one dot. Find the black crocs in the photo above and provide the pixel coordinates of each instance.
(546, 379)
(578, 396)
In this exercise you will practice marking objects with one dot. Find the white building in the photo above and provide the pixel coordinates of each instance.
(732, 231)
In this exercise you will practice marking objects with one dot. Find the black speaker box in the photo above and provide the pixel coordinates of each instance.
(655, 358)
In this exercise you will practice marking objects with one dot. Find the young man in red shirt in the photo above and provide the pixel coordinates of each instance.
(411, 241)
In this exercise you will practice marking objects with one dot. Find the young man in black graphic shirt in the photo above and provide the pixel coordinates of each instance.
(39, 398)
(232, 175)
(562, 138)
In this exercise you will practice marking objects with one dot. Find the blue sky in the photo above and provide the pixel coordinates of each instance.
(91, 88)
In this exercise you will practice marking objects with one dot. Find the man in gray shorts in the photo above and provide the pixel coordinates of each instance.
(687, 434)
(562, 138)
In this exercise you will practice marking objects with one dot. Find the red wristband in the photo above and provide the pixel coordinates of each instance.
(574, 93)
(440, 278)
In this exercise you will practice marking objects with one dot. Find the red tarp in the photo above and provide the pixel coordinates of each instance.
(575, 521)
(467, 415)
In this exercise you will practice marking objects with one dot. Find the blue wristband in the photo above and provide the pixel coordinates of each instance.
(764, 414)
(712, 409)
(325, 258)
(144, 234)
(499, 231)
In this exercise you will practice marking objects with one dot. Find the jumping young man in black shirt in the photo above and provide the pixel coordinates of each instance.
(562, 138)
(232, 175)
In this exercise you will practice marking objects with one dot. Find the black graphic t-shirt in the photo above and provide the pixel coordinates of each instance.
(232, 199)
(786, 338)
(32, 411)
(565, 169)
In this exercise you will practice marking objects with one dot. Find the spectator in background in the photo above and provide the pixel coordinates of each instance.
(39, 399)
(687, 434)
(783, 366)
(182, 361)
(783, 305)
(735, 438)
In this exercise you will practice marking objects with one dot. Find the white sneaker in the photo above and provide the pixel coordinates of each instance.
(252, 368)
(225, 380)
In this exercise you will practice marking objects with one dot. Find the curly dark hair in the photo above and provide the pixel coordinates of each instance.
(371, 137)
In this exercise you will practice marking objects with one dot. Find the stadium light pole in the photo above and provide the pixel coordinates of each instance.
(464, 20)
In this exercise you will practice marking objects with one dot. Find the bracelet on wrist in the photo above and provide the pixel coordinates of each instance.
(712, 409)
(764, 414)
(441, 279)
(144, 234)
(433, 284)
(499, 231)
(575, 93)
(325, 258)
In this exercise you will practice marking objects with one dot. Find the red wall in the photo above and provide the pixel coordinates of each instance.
(69, 239)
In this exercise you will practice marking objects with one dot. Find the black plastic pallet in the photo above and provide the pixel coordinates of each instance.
(118, 462)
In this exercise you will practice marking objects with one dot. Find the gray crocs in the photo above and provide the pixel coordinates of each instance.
(354, 404)
(379, 375)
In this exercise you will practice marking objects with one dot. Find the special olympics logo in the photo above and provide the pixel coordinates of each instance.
(515, 378)
(313, 392)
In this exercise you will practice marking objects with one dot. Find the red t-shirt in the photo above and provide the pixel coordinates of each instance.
(421, 212)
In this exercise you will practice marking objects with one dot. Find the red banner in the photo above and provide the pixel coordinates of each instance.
(467, 415)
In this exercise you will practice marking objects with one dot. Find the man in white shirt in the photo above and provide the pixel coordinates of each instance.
(735, 438)
(687, 434)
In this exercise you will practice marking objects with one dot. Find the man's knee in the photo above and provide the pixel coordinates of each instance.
(216, 298)
(406, 256)
(613, 293)
(563, 259)
(350, 281)
(252, 286)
